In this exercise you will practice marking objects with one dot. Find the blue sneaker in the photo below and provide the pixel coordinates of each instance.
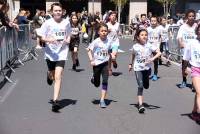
(154, 78)
(102, 104)
(183, 85)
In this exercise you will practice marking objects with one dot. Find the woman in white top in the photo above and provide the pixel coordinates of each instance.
(192, 54)
(55, 32)
(141, 60)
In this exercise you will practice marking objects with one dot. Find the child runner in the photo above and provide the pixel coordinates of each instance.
(192, 54)
(154, 39)
(141, 63)
(113, 31)
(185, 34)
(98, 52)
(164, 28)
(75, 40)
(55, 32)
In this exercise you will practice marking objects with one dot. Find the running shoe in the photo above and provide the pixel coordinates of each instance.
(168, 63)
(74, 67)
(49, 81)
(102, 104)
(55, 106)
(195, 116)
(183, 85)
(77, 63)
(114, 63)
(141, 109)
(154, 78)
(92, 80)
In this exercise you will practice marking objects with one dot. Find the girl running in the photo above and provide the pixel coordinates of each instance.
(192, 54)
(185, 34)
(75, 40)
(141, 60)
(98, 52)
(55, 32)
(154, 39)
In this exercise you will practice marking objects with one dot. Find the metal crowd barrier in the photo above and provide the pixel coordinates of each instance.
(14, 45)
(174, 49)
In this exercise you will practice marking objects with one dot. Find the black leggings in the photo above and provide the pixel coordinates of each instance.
(142, 78)
(99, 70)
(155, 62)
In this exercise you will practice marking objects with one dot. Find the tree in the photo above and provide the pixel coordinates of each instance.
(167, 4)
(120, 5)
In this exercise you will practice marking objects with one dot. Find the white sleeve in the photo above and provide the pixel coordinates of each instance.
(187, 52)
(91, 45)
(68, 29)
(43, 29)
(180, 33)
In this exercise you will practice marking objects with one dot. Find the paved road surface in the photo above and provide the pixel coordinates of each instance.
(25, 108)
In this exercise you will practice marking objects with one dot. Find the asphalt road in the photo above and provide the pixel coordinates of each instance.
(25, 107)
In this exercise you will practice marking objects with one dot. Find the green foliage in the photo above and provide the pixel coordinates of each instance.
(119, 2)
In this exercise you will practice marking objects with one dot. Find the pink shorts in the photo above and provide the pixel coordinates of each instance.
(195, 71)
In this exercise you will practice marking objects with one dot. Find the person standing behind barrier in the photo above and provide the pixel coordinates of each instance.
(164, 46)
(4, 19)
(141, 60)
(55, 32)
(154, 38)
(75, 40)
(186, 33)
(113, 32)
(99, 55)
(192, 54)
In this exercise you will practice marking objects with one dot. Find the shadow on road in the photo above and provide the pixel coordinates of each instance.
(189, 115)
(65, 102)
(116, 73)
(148, 106)
(107, 101)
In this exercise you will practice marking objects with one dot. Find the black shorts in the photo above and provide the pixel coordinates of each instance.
(74, 43)
(53, 64)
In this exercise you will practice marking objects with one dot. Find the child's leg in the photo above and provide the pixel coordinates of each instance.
(139, 78)
(196, 82)
(97, 75)
(105, 74)
(145, 77)
(57, 85)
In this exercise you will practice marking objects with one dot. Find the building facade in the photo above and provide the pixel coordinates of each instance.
(134, 6)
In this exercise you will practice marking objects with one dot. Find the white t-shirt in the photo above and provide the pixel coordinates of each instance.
(100, 50)
(164, 33)
(154, 36)
(192, 53)
(187, 33)
(142, 54)
(113, 34)
(58, 31)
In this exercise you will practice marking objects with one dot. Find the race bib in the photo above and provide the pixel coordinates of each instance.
(197, 56)
(101, 54)
(59, 35)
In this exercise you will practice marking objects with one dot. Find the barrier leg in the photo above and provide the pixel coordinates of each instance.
(6, 77)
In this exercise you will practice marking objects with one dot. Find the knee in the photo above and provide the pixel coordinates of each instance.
(105, 86)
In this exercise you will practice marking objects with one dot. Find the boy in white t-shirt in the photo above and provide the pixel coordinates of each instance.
(154, 38)
(55, 32)
(113, 35)
(186, 33)
(164, 48)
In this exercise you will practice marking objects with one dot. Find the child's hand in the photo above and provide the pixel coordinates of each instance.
(149, 61)
(130, 67)
(92, 63)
